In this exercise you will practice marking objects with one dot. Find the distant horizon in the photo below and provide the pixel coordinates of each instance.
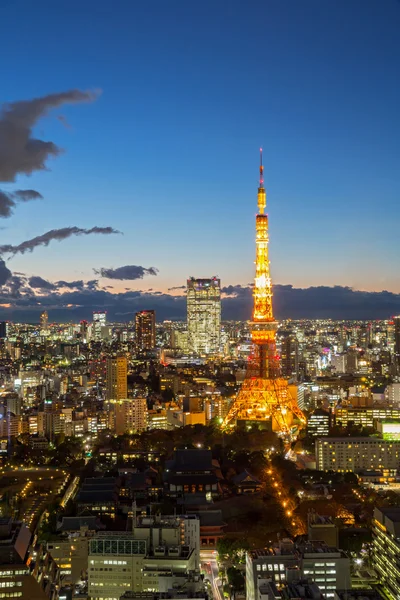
(337, 303)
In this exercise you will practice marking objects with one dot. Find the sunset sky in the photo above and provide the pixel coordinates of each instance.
(167, 151)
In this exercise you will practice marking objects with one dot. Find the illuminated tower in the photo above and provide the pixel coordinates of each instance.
(264, 395)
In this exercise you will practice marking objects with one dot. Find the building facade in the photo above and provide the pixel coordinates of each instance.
(352, 454)
(130, 415)
(386, 548)
(204, 315)
(117, 378)
(121, 562)
(327, 566)
(99, 321)
(145, 329)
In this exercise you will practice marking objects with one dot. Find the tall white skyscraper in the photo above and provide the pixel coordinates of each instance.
(99, 321)
(204, 315)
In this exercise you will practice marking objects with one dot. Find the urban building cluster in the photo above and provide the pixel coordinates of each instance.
(150, 460)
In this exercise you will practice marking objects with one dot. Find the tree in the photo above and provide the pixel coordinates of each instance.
(235, 579)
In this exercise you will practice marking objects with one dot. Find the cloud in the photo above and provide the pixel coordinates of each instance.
(54, 234)
(5, 272)
(71, 300)
(6, 205)
(177, 287)
(20, 153)
(320, 302)
(38, 282)
(26, 195)
(8, 200)
(127, 272)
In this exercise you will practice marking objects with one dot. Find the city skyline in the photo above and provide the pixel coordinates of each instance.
(131, 158)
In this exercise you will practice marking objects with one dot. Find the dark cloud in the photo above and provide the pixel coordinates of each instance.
(78, 284)
(8, 200)
(20, 153)
(5, 272)
(78, 302)
(127, 272)
(177, 287)
(26, 195)
(336, 302)
(6, 205)
(237, 291)
(54, 234)
(38, 282)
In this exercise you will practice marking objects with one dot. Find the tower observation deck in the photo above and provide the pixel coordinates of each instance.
(265, 394)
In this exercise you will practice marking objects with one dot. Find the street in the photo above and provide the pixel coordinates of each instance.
(210, 566)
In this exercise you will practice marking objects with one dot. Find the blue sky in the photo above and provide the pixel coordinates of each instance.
(168, 153)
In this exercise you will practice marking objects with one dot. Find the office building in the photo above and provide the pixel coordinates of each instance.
(130, 415)
(44, 320)
(290, 357)
(99, 321)
(70, 549)
(352, 454)
(392, 394)
(294, 589)
(365, 415)
(352, 357)
(322, 528)
(327, 566)
(319, 423)
(117, 378)
(134, 561)
(204, 315)
(338, 363)
(17, 580)
(396, 322)
(386, 548)
(145, 329)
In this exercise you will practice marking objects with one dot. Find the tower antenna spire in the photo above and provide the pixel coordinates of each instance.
(261, 168)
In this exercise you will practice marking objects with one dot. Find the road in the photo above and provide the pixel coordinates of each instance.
(209, 560)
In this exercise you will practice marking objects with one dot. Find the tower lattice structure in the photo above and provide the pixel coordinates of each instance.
(264, 394)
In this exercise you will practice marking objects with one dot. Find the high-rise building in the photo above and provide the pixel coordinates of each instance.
(290, 356)
(396, 321)
(44, 320)
(386, 548)
(130, 415)
(99, 321)
(3, 329)
(83, 329)
(145, 329)
(264, 395)
(117, 378)
(204, 315)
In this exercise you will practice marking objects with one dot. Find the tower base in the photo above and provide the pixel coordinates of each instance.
(265, 425)
(265, 400)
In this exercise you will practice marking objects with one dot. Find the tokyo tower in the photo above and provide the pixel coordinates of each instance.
(264, 395)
